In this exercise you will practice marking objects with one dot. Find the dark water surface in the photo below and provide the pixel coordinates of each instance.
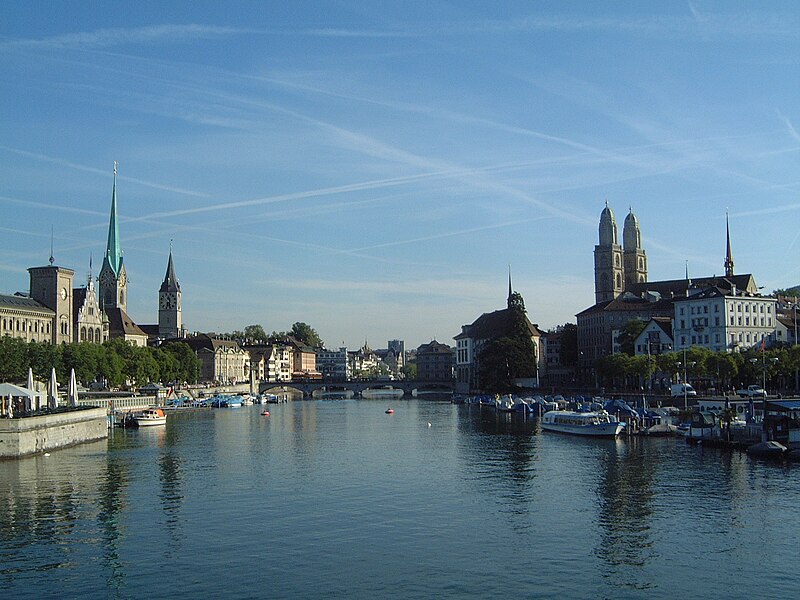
(339, 499)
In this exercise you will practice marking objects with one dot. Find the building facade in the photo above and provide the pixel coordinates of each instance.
(333, 364)
(221, 361)
(724, 320)
(435, 362)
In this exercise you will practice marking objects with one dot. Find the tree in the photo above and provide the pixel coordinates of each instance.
(306, 334)
(188, 363)
(409, 370)
(255, 333)
(569, 345)
(13, 359)
(628, 335)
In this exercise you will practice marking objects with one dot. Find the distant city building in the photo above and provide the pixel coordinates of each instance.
(435, 362)
(304, 360)
(333, 364)
(655, 338)
(557, 373)
(364, 362)
(222, 361)
(270, 362)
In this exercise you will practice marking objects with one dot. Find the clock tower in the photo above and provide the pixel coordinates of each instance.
(169, 304)
(52, 286)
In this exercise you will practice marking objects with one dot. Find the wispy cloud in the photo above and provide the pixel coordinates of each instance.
(104, 38)
(789, 126)
(105, 172)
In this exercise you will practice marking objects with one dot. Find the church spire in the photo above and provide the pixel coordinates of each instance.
(113, 251)
(510, 289)
(170, 283)
(728, 253)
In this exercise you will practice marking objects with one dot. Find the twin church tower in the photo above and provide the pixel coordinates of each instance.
(113, 281)
(617, 268)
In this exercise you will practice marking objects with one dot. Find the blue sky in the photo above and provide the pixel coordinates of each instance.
(372, 168)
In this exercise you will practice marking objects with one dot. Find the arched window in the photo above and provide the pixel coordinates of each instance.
(83, 334)
(619, 280)
(97, 335)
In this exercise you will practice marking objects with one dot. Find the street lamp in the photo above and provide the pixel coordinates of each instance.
(685, 380)
(774, 361)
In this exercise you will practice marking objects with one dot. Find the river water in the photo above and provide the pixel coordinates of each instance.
(338, 499)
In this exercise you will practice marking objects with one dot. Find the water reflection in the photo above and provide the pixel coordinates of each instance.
(499, 451)
(627, 472)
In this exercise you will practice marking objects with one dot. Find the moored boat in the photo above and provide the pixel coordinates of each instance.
(150, 417)
(595, 423)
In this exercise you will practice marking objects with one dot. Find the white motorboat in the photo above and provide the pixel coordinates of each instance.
(595, 423)
(150, 417)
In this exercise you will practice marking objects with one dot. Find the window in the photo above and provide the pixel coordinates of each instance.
(705, 310)
(681, 311)
(716, 322)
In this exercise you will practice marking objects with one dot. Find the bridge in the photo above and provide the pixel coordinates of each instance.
(410, 387)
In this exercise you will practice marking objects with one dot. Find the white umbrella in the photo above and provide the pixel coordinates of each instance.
(73, 389)
(30, 387)
(10, 412)
(52, 390)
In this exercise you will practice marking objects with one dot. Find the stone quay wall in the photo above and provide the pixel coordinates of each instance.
(33, 435)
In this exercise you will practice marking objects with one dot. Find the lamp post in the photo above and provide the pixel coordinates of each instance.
(686, 365)
(774, 361)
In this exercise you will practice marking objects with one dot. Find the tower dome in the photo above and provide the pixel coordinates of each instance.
(608, 227)
(631, 235)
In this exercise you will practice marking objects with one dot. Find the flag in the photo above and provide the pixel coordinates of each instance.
(763, 344)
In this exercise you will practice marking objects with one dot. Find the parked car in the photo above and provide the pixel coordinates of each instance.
(752, 391)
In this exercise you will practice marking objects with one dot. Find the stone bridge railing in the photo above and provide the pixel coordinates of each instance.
(409, 387)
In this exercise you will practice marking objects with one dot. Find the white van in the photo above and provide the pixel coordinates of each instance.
(678, 390)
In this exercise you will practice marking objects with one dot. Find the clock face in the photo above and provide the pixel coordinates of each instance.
(63, 293)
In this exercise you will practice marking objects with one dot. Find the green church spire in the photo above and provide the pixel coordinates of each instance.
(113, 250)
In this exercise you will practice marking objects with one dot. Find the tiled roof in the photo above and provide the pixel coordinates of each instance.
(23, 303)
(494, 325)
(120, 323)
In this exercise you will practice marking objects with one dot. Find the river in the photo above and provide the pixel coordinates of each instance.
(340, 499)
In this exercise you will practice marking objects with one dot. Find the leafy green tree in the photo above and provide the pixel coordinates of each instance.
(628, 335)
(13, 359)
(409, 370)
(188, 363)
(306, 334)
(256, 333)
(569, 345)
